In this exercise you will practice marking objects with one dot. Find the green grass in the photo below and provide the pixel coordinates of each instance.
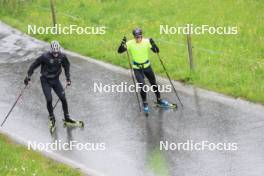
(16, 160)
(233, 64)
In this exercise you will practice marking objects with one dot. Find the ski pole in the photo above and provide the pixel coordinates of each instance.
(58, 98)
(169, 79)
(131, 71)
(21, 93)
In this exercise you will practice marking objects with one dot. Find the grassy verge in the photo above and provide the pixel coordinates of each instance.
(230, 64)
(16, 160)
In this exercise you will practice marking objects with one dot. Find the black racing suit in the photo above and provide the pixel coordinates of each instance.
(50, 72)
(142, 72)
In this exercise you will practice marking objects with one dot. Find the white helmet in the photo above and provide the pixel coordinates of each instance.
(55, 47)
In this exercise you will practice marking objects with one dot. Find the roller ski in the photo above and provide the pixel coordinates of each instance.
(145, 109)
(52, 126)
(68, 122)
(165, 104)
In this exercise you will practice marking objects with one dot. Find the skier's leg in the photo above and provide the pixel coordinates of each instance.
(46, 87)
(58, 89)
(140, 79)
(152, 80)
(61, 94)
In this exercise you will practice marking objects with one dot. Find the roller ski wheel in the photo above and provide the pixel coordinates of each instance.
(166, 105)
(52, 126)
(72, 123)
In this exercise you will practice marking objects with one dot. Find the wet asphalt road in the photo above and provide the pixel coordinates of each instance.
(132, 140)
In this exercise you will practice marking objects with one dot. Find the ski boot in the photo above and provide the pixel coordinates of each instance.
(165, 104)
(162, 102)
(52, 126)
(67, 121)
(145, 108)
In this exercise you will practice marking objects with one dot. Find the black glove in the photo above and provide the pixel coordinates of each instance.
(152, 42)
(154, 46)
(122, 46)
(26, 80)
(68, 82)
(124, 40)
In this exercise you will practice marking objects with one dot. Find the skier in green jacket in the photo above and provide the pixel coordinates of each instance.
(139, 49)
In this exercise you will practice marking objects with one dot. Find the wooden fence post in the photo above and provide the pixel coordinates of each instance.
(189, 43)
(53, 11)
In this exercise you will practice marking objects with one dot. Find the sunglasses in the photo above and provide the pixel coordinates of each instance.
(138, 36)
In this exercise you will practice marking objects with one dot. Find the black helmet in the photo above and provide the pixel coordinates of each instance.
(137, 32)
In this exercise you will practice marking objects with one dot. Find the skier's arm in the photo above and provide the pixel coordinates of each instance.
(154, 47)
(34, 65)
(31, 69)
(66, 66)
(122, 48)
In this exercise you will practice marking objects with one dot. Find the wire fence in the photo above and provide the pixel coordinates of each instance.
(78, 18)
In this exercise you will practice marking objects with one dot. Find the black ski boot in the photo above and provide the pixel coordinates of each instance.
(52, 126)
(70, 122)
